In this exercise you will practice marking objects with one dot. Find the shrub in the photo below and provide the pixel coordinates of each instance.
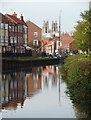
(76, 72)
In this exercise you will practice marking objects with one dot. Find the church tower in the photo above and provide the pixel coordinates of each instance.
(54, 27)
(45, 27)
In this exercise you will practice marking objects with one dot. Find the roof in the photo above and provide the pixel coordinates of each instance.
(33, 24)
(3, 18)
(47, 42)
(15, 19)
(67, 39)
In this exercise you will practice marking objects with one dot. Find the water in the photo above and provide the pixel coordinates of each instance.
(35, 93)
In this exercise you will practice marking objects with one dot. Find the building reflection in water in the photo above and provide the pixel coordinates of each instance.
(16, 86)
(13, 89)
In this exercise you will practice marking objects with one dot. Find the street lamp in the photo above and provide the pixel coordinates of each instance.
(60, 27)
(54, 42)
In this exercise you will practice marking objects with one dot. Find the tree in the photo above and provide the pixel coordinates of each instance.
(86, 16)
(82, 34)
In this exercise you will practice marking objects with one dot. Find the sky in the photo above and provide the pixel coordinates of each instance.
(39, 10)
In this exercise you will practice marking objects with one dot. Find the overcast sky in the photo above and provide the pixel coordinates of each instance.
(49, 10)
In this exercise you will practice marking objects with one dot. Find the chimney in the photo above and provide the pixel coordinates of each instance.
(14, 14)
(21, 17)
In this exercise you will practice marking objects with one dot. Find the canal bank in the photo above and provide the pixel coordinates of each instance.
(8, 63)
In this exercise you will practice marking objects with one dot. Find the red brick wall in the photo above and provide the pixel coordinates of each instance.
(31, 29)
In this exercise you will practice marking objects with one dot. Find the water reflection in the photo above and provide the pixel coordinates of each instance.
(14, 86)
(20, 87)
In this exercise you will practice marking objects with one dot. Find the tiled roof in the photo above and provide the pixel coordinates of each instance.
(3, 18)
(15, 19)
(45, 42)
(67, 39)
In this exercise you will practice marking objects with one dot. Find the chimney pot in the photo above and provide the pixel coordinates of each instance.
(14, 14)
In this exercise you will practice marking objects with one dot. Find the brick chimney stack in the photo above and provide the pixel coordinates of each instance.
(21, 17)
(14, 14)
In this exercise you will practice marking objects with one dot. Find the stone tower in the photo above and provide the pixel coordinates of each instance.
(54, 27)
(45, 27)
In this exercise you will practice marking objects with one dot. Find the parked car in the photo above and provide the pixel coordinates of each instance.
(64, 55)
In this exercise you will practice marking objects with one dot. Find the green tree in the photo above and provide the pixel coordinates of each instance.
(82, 34)
(86, 16)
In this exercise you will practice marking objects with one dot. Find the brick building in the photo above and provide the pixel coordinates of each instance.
(34, 35)
(53, 45)
(17, 33)
(13, 33)
(4, 33)
(66, 41)
(13, 86)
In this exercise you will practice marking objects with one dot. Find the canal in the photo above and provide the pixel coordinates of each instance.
(37, 92)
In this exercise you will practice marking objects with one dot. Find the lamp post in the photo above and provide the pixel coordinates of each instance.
(60, 27)
(54, 42)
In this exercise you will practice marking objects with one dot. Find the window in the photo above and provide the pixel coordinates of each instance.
(15, 39)
(13, 28)
(25, 29)
(6, 26)
(6, 32)
(20, 29)
(25, 41)
(25, 38)
(2, 25)
(35, 43)
(11, 39)
(2, 39)
(35, 34)
(46, 30)
(9, 28)
(1, 32)
(21, 41)
(6, 38)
